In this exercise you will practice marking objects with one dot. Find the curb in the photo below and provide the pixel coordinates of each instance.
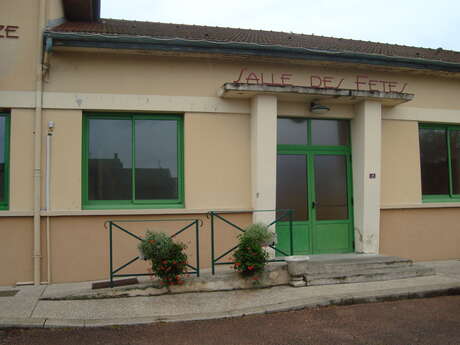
(314, 302)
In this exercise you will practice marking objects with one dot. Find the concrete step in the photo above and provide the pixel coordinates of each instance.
(361, 275)
(327, 265)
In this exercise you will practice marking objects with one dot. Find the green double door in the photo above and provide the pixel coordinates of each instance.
(314, 180)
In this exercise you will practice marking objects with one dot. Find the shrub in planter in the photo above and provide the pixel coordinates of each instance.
(168, 259)
(250, 256)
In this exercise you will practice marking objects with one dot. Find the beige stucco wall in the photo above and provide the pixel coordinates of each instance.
(16, 240)
(401, 177)
(216, 172)
(420, 234)
(80, 245)
(173, 76)
(217, 145)
(54, 11)
(217, 161)
(66, 157)
(16, 250)
(17, 56)
(21, 160)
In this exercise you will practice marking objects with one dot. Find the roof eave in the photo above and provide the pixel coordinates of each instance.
(91, 40)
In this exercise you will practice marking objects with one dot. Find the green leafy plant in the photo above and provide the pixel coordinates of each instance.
(167, 257)
(250, 256)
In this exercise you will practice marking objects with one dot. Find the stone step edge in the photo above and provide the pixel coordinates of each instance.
(315, 259)
(385, 260)
(356, 273)
(318, 269)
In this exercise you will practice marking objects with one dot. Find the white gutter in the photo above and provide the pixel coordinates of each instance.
(37, 142)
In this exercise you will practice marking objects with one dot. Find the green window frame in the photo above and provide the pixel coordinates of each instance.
(5, 138)
(133, 203)
(451, 196)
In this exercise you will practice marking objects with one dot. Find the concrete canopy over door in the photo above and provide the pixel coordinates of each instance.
(366, 148)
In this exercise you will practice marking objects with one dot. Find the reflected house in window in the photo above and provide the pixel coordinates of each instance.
(155, 183)
(434, 161)
(111, 181)
(2, 178)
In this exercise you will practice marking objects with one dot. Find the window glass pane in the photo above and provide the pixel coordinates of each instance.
(455, 157)
(292, 131)
(433, 160)
(2, 157)
(331, 187)
(291, 185)
(110, 159)
(156, 159)
(330, 132)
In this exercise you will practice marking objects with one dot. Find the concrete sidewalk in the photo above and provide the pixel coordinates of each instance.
(26, 309)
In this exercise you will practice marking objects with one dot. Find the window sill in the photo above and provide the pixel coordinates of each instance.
(9, 213)
(440, 200)
(424, 204)
(133, 206)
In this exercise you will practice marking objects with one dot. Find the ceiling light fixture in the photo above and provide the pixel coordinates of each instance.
(319, 109)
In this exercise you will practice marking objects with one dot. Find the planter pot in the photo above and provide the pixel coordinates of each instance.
(297, 267)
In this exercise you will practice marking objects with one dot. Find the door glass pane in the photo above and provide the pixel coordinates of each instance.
(156, 159)
(330, 132)
(331, 187)
(109, 159)
(291, 185)
(292, 131)
(455, 159)
(2, 157)
(433, 159)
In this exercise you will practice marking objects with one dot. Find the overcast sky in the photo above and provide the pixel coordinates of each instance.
(431, 24)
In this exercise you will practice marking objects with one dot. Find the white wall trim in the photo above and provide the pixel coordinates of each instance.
(120, 102)
(421, 114)
(17, 99)
(16, 214)
(366, 151)
(99, 101)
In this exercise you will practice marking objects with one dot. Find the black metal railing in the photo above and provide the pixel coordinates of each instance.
(115, 225)
(286, 215)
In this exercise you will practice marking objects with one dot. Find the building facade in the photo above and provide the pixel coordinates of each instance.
(117, 120)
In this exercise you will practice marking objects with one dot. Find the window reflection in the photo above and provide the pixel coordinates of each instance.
(110, 159)
(156, 159)
(292, 131)
(433, 159)
(331, 187)
(291, 185)
(455, 160)
(330, 132)
(2, 157)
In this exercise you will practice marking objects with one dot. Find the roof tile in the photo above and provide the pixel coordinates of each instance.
(222, 34)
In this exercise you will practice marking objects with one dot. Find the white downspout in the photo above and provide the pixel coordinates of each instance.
(47, 197)
(37, 141)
